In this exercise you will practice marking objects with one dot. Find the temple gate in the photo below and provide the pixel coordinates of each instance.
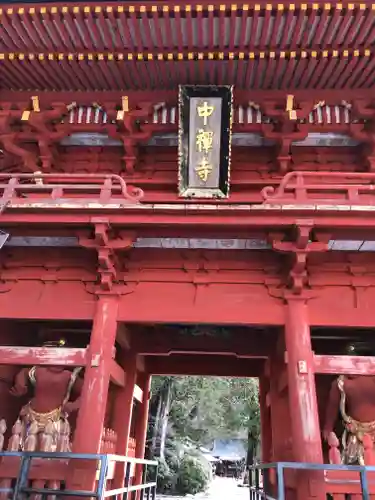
(185, 189)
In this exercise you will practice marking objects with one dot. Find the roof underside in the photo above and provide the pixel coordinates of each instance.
(150, 45)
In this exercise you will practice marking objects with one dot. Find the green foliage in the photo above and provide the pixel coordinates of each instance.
(193, 475)
(165, 477)
(200, 410)
(205, 408)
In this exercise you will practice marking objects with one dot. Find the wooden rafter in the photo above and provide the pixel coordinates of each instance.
(112, 46)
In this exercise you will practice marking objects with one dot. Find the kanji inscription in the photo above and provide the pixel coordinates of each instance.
(204, 141)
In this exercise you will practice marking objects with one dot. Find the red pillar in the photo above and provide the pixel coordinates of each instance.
(141, 426)
(123, 416)
(91, 414)
(265, 420)
(307, 445)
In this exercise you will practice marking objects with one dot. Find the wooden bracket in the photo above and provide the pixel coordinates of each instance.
(299, 249)
(106, 242)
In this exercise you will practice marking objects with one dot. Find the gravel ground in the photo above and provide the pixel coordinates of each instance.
(221, 489)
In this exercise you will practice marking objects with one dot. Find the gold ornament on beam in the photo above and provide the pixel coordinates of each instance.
(35, 107)
(289, 107)
(124, 109)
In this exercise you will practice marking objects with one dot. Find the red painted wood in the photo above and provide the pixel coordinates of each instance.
(305, 433)
(141, 425)
(218, 366)
(265, 420)
(123, 413)
(28, 356)
(344, 365)
(97, 375)
(117, 376)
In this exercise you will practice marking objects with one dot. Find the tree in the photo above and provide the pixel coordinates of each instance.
(203, 408)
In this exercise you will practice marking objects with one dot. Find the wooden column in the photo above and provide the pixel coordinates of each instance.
(141, 425)
(279, 413)
(307, 446)
(123, 416)
(265, 420)
(91, 414)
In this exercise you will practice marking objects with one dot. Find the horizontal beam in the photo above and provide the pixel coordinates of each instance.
(197, 218)
(344, 365)
(171, 96)
(215, 366)
(29, 356)
(117, 374)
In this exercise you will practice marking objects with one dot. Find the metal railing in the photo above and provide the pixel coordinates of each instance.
(260, 484)
(21, 489)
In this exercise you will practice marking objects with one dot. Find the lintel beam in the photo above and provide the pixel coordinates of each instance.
(215, 366)
(30, 356)
(344, 365)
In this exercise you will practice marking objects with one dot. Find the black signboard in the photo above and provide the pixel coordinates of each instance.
(204, 145)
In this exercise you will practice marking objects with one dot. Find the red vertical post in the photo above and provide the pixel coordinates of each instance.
(265, 420)
(91, 414)
(141, 426)
(303, 405)
(122, 419)
(307, 445)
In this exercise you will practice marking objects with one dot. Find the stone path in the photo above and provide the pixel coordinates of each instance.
(221, 489)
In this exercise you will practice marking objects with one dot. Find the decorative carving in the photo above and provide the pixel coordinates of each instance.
(107, 242)
(131, 131)
(298, 249)
(284, 134)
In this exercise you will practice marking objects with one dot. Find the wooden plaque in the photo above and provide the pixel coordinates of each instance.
(204, 145)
